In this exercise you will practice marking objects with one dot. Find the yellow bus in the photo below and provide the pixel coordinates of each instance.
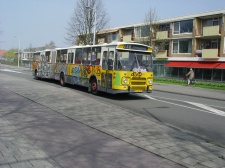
(113, 68)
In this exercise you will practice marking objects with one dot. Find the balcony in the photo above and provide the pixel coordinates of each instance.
(160, 35)
(127, 38)
(101, 40)
(161, 54)
(209, 31)
(210, 53)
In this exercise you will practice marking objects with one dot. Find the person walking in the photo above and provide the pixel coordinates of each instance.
(190, 76)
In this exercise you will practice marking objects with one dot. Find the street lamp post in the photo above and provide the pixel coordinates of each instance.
(18, 51)
(94, 28)
(94, 31)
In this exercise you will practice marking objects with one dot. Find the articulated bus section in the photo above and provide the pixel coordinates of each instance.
(113, 68)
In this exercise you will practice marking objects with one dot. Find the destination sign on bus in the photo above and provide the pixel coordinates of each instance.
(135, 47)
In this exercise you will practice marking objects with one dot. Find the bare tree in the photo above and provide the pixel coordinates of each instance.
(81, 23)
(50, 45)
(147, 28)
(150, 27)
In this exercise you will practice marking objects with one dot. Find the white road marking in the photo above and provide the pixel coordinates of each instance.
(9, 70)
(216, 111)
(186, 101)
(205, 107)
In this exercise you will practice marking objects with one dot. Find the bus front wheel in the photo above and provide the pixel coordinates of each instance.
(94, 87)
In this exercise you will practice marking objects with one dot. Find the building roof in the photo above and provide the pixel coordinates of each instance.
(191, 16)
(169, 20)
(2, 52)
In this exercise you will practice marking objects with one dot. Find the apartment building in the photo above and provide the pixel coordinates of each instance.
(26, 58)
(194, 41)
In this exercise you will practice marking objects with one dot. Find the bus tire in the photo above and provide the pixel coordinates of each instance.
(94, 87)
(62, 80)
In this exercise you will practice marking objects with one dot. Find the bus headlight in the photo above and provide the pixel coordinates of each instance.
(149, 81)
(125, 80)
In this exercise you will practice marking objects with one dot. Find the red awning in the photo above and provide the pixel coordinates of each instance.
(207, 65)
(178, 64)
(221, 66)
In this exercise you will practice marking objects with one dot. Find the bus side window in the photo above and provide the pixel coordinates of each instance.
(70, 58)
(93, 58)
(62, 58)
(88, 56)
(47, 55)
(86, 59)
(84, 56)
(110, 60)
(58, 57)
(96, 56)
(104, 63)
(47, 58)
(110, 64)
(78, 56)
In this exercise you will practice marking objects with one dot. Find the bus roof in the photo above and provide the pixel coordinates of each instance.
(108, 44)
(97, 45)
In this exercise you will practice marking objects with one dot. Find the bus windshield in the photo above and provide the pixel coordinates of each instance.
(133, 61)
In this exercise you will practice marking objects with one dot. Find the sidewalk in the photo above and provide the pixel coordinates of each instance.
(17, 151)
(172, 144)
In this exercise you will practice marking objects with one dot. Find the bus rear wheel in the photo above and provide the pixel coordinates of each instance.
(94, 87)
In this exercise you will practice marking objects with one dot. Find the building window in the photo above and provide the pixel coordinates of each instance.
(183, 27)
(127, 32)
(164, 28)
(210, 44)
(211, 22)
(162, 46)
(176, 29)
(182, 46)
(143, 31)
(215, 43)
(112, 37)
(175, 46)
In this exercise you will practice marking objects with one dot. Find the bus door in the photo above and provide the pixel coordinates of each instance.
(52, 60)
(41, 64)
(70, 60)
(107, 68)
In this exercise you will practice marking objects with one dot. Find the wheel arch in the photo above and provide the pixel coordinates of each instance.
(91, 80)
(92, 77)
(62, 78)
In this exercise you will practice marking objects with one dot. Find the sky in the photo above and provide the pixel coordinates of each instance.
(38, 22)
